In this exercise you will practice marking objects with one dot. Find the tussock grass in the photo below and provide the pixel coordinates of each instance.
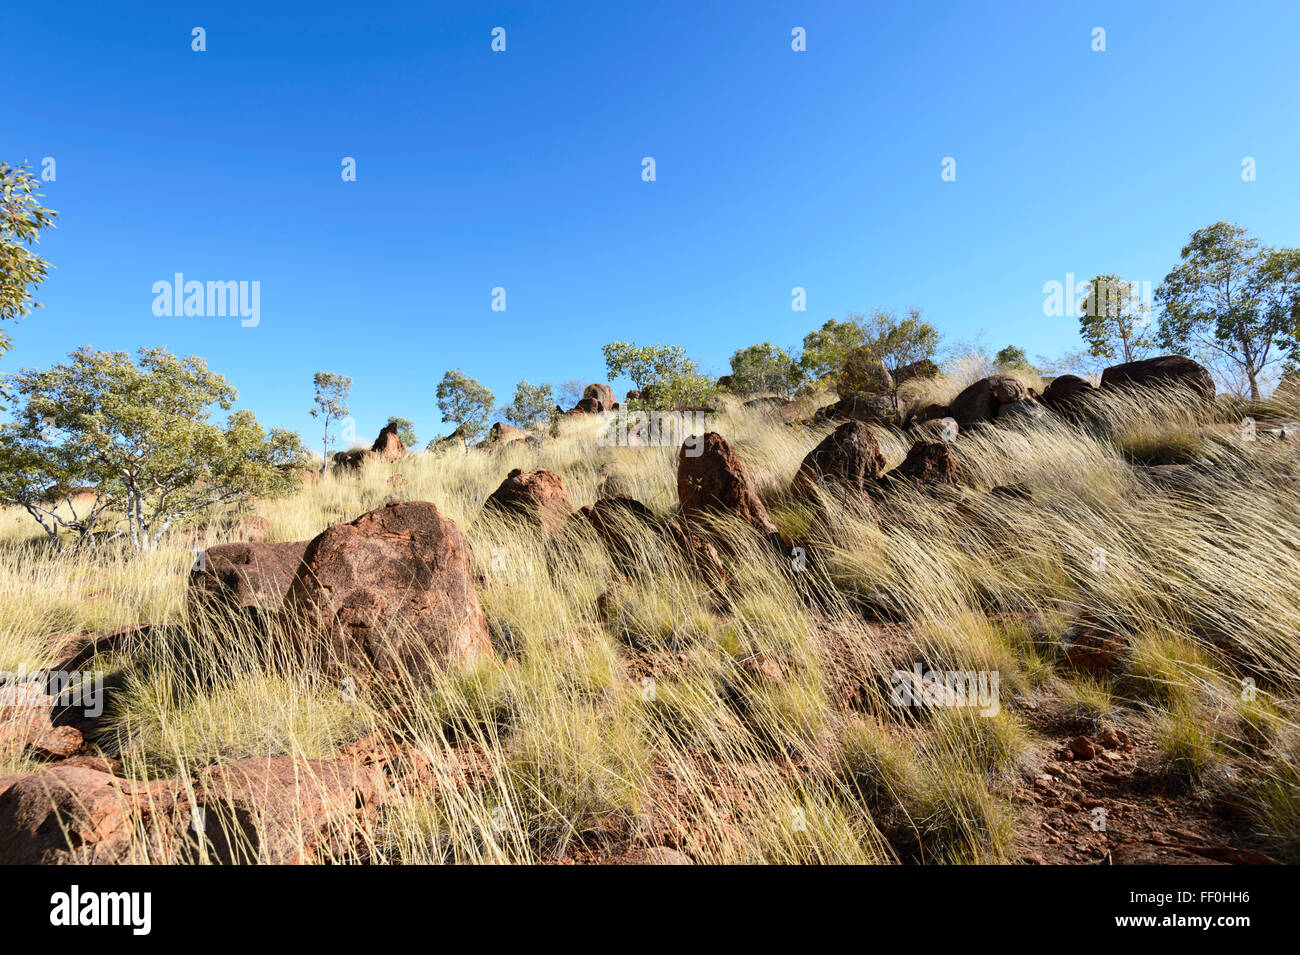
(637, 705)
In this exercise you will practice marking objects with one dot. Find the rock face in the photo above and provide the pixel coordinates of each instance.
(928, 463)
(1157, 372)
(244, 577)
(980, 401)
(536, 496)
(873, 408)
(716, 482)
(846, 461)
(389, 593)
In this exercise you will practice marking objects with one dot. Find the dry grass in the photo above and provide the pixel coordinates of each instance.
(651, 724)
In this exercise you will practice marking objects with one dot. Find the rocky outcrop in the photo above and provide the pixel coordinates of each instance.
(846, 462)
(981, 400)
(536, 496)
(715, 482)
(245, 577)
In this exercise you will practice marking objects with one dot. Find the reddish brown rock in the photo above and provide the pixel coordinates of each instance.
(285, 811)
(388, 445)
(536, 496)
(501, 432)
(715, 482)
(981, 400)
(390, 594)
(600, 398)
(27, 728)
(846, 462)
(248, 578)
(928, 463)
(1066, 392)
(1161, 373)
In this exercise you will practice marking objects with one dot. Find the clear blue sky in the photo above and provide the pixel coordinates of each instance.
(522, 170)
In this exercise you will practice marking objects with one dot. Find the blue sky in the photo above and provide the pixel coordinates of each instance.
(522, 170)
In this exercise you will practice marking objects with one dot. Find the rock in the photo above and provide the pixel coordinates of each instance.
(633, 395)
(618, 519)
(922, 370)
(981, 400)
(27, 728)
(932, 412)
(863, 373)
(715, 482)
(928, 464)
(1158, 373)
(351, 460)
(875, 408)
(1089, 650)
(1026, 409)
(69, 814)
(1067, 393)
(612, 482)
(397, 480)
(1083, 748)
(536, 496)
(388, 445)
(936, 429)
(284, 811)
(244, 577)
(392, 592)
(846, 461)
(602, 395)
(501, 432)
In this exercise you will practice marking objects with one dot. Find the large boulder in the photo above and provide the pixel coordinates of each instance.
(863, 373)
(1161, 372)
(847, 461)
(245, 577)
(981, 400)
(714, 481)
(390, 594)
(601, 395)
(388, 445)
(536, 496)
(619, 520)
(1066, 393)
(873, 408)
(921, 370)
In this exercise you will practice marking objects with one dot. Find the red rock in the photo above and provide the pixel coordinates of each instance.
(1159, 373)
(928, 464)
(537, 496)
(245, 578)
(716, 482)
(390, 591)
(981, 400)
(847, 461)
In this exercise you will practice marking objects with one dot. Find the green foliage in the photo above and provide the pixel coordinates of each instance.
(663, 373)
(405, 430)
(1012, 357)
(764, 367)
(22, 219)
(138, 432)
(331, 404)
(1235, 300)
(826, 349)
(531, 405)
(463, 400)
(1114, 320)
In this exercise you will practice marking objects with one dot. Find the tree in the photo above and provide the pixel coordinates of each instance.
(764, 367)
(664, 371)
(138, 433)
(1115, 322)
(889, 343)
(463, 400)
(531, 405)
(22, 219)
(405, 431)
(332, 405)
(1234, 299)
(571, 392)
(827, 349)
(1014, 357)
